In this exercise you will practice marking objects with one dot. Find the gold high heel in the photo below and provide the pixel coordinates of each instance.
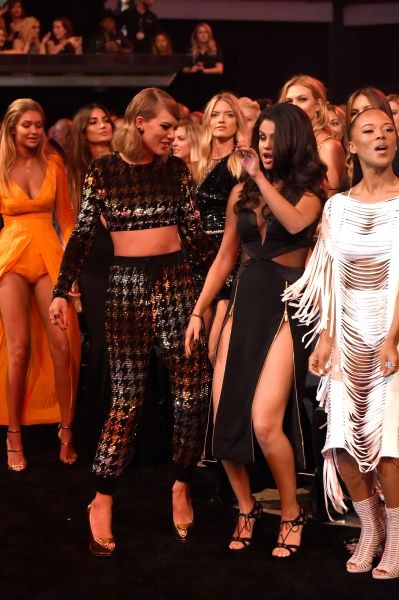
(183, 532)
(70, 459)
(17, 467)
(98, 546)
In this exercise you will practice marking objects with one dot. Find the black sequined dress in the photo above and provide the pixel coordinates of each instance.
(212, 196)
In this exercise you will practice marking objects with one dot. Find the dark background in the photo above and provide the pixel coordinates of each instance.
(259, 57)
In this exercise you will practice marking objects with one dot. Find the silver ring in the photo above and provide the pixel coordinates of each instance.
(390, 365)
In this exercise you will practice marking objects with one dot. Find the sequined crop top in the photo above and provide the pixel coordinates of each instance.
(133, 197)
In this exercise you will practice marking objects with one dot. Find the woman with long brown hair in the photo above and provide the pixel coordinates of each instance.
(90, 138)
(32, 185)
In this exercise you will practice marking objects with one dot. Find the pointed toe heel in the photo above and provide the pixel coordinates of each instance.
(98, 546)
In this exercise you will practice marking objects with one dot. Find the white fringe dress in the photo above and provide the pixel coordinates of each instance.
(350, 286)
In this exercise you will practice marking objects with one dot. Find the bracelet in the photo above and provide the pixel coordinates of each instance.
(198, 316)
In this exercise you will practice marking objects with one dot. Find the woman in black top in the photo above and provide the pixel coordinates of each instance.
(261, 363)
(206, 55)
(145, 197)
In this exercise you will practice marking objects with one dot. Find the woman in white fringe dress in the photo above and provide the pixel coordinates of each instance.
(350, 292)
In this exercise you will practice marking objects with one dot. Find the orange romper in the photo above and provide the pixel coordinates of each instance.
(30, 246)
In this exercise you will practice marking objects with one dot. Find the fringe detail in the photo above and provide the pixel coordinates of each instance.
(349, 287)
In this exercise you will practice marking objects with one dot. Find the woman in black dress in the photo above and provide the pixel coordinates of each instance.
(219, 170)
(90, 137)
(261, 363)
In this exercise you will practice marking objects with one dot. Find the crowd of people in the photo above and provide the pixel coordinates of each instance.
(136, 29)
(249, 243)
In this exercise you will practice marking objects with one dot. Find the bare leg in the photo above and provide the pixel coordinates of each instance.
(360, 485)
(60, 354)
(101, 518)
(181, 502)
(216, 328)
(268, 410)
(15, 313)
(367, 506)
(237, 474)
(388, 475)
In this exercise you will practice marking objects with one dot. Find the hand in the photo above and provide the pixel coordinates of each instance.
(389, 358)
(58, 312)
(320, 357)
(75, 41)
(197, 67)
(249, 159)
(46, 37)
(192, 334)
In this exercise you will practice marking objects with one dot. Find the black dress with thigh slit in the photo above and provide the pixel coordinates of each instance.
(258, 313)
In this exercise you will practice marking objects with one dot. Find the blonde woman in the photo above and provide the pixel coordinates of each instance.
(251, 111)
(38, 363)
(186, 144)
(219, 170)
(28, 41)
(145, 196)
(310, 94)
(206, 55)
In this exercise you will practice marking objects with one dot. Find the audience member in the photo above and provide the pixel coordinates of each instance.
(141, 25)
(162, 44)
(58, 136)
(14, 14)
(393, 100)
(251, 111)
(206, 55)
(109, 39)
(28, 40)
(186, 144)
(336, 121)
(63, 40)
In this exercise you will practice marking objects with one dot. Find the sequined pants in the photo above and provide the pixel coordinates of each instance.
(149, 299)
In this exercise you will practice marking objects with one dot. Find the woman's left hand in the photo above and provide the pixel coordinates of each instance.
(249, 159)
(389, 358)
(192, 334)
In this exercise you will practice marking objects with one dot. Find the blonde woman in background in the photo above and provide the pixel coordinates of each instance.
(310, 94)
(206, 55)
(32, 186)
(337, 121)
(219, 170)
(28, 41)
(251, 111)
(186, 144)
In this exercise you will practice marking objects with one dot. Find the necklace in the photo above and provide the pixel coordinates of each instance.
(26, 164)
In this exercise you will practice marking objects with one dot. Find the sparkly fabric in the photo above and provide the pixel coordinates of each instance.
(212, 196)
(132, 197)
(149, 300)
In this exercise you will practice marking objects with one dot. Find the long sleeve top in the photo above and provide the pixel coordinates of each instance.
(135, 197)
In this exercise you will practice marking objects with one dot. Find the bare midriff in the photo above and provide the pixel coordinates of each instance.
(296, 258)
(146, 242)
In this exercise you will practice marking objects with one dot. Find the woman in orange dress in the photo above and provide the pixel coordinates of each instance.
(38, 362)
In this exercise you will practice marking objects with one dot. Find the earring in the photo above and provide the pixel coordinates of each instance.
(140, 130)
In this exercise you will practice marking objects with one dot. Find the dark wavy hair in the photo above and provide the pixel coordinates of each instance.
(297, 167)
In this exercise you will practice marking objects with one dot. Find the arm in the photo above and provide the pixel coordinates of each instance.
(216, 70)
(292, 218)
(333, 155)
(389, 355)
(199, 246)
(63, 208)
(221, 268)
(82, 236)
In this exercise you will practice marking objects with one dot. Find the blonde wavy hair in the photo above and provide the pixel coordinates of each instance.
(318, 91)
(146, 104)
(205, 148)
(26, 27)
(8, 152)
(212, 47)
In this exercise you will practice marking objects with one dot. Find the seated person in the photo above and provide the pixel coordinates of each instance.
(62, 39)
(141, 24)
(108, 38)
